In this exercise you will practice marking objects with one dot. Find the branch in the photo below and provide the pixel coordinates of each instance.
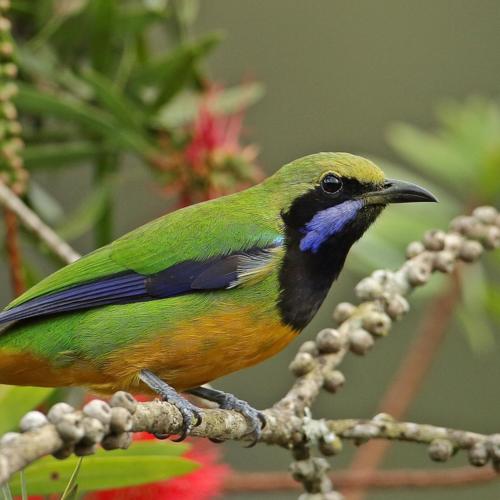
(14, 255)
(66, 430)
(253, 482)
(289, 423)
(31, 221)
(411, 373)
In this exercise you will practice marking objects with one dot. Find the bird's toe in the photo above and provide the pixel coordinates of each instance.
(191, 416)
(255, 418)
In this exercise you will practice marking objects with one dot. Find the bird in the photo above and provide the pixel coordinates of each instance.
(200, 292)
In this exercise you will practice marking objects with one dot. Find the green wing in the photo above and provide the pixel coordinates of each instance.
(210, 229)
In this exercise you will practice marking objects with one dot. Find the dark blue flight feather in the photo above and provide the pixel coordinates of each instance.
(186, 277)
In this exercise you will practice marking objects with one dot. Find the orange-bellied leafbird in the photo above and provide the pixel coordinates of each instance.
(200, 292)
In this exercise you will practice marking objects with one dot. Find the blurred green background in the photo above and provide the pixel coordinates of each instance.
(339, 76)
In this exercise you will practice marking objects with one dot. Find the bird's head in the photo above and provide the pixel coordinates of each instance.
(334, 197)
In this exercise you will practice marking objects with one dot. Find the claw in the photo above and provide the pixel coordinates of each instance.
(255, 418)
(188, 411)
(255, 433)
(262, 418)
(199, 419)
(181, 437)
(216, 441)
(252, 443)
(161, 437)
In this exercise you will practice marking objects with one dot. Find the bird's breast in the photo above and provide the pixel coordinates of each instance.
(199, 351)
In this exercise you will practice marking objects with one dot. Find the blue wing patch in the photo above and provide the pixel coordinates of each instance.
(123, 288)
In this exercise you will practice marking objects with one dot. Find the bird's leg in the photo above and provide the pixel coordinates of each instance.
(188, 411)
(229, 402)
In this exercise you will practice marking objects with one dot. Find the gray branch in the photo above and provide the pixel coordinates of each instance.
(33, 223)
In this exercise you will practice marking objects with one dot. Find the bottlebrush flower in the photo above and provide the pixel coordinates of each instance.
(211, 160)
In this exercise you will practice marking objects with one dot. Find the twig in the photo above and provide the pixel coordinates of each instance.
(260, 482)
(14, 253)
(32, 222)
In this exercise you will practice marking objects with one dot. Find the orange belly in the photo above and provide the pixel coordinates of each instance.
(195, 353)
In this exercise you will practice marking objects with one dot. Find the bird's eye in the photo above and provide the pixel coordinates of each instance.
(331, 183)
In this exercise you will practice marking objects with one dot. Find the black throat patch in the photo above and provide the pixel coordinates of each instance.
(306, 277)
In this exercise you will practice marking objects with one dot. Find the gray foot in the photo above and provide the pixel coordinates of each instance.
(191, 415)
(227, 401)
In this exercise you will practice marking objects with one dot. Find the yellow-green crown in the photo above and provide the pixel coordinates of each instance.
(305, 173)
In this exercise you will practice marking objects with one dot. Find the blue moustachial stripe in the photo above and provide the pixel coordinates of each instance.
(328, 222)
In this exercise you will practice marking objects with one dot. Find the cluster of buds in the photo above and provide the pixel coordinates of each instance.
(479, 453)
(384, 301)
(12, 170)
(312, 472)
(328, 341)
(79, 431)
(384, 292)
(442, 443)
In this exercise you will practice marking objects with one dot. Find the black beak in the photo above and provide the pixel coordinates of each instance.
(395, 191)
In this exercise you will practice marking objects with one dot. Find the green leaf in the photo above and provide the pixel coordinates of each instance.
(432, 155)
(60, 11)
(104, 470)
(72, 486)
(154, 448)
(60, 154)
(473, 125)
(473, 312)
(237, 98)
(132, 20)
(102, 27)
(6, 493)
(493, 302)
(479, 333)
(373, 252)
(43, 65)
(449, 203)
(44, 204)
(95, 120)
(24, 488)
(19, 401)
(86, 215)
(186, 12)
(111, 97)
(171, 72)
(24, 6)
(184, 108)
(31, 274)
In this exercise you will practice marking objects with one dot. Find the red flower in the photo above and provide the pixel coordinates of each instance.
(213, 134)
(202, 484)
(211, 161)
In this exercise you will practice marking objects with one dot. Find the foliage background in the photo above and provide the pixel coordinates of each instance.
(337, 76)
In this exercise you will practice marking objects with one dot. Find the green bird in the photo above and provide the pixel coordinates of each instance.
(200, 292)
